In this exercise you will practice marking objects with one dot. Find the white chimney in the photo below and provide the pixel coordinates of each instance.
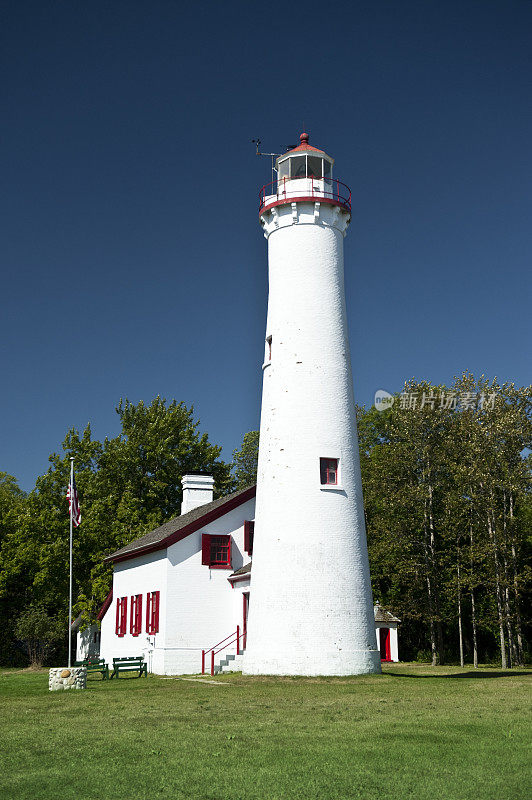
(197, 491)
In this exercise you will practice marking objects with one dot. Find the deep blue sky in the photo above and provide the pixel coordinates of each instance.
(133, 261)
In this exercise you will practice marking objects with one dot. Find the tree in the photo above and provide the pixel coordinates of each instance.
(447, 494)
(127, 485)
(38, 632)
(12, 505)
(245, 460)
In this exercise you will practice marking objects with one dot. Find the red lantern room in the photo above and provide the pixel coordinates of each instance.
(304, 173)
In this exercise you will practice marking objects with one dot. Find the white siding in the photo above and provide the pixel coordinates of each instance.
(136, 576)
(197, 604)
(201, 608)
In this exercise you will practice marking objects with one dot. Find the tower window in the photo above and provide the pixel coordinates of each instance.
(249, 532)
(268, 348)
(314, 167)
(329, 471)
(298, 167)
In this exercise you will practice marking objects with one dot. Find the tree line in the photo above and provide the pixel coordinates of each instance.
(447, 494)
(446, 478)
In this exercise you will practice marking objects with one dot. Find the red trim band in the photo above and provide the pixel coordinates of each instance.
(305, 199)
(106, 603)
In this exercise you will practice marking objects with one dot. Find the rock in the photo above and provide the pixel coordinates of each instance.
(63, 679)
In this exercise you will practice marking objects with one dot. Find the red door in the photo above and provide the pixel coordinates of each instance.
(245, 599)
(384, 634)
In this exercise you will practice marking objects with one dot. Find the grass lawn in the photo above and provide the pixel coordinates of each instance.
(414, 732)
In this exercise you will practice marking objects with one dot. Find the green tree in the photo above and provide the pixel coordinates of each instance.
(12, 508)
(447, 495)
(127, 485)
(245, 460)
(39, 633)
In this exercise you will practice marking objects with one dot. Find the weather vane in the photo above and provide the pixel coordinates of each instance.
(273, 156)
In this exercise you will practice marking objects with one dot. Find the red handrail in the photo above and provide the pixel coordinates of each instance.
(329, 189)
(213, 651)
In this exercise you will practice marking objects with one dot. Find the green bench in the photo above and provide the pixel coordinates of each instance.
(95, 665)
(131, 664)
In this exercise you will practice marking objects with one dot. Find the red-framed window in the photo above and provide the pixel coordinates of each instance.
(121, 616)
(329, 471)
(249, 532)
(152, 612)
(216, 551)
(135, 615)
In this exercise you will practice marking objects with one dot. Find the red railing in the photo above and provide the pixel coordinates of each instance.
(214, 651)
(329, 189)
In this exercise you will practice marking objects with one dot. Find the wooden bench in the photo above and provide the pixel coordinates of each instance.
(95, 665)
(130, 664)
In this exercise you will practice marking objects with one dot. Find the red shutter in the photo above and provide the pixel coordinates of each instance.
(249, 530)
(123, 620)
(206, 549)
(135, 615)
(139, 615)
(121, 616)
(229, 539)
(152, 612)
(156, 612)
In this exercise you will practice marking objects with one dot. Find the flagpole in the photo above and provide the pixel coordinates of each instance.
(70, 563)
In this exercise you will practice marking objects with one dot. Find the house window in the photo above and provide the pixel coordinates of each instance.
(152, 612)
(216, 551)
(135, 615)
(249, 531)
(121, 616)
(329, 471)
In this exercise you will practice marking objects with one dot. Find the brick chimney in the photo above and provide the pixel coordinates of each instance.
(197, 491)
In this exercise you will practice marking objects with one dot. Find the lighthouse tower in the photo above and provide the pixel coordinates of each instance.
(311, 609)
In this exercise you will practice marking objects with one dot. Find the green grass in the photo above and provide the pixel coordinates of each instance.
(414, 732)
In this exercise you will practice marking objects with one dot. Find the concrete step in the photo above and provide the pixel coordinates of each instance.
(230, 663)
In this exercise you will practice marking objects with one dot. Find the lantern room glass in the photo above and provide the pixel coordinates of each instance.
(304, 166)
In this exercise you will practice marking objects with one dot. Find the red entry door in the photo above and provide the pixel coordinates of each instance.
(384, 634)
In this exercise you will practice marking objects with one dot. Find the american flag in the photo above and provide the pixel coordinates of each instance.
(73, 502)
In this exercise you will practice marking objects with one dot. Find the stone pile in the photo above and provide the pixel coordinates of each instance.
(61, 678)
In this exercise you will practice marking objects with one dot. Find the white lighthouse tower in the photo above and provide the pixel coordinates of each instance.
(311, 610)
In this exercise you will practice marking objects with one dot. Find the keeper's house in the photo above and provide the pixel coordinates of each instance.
(185, 587)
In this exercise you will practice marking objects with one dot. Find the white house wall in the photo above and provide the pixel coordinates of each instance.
(139, 575)
(88, 643)
(201, 608)
(197, 605)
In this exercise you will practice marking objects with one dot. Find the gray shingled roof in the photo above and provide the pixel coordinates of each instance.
(242, 571)
(174, 525)
(384, 616)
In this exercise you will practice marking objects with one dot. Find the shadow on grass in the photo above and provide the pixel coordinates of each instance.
(471, 674)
